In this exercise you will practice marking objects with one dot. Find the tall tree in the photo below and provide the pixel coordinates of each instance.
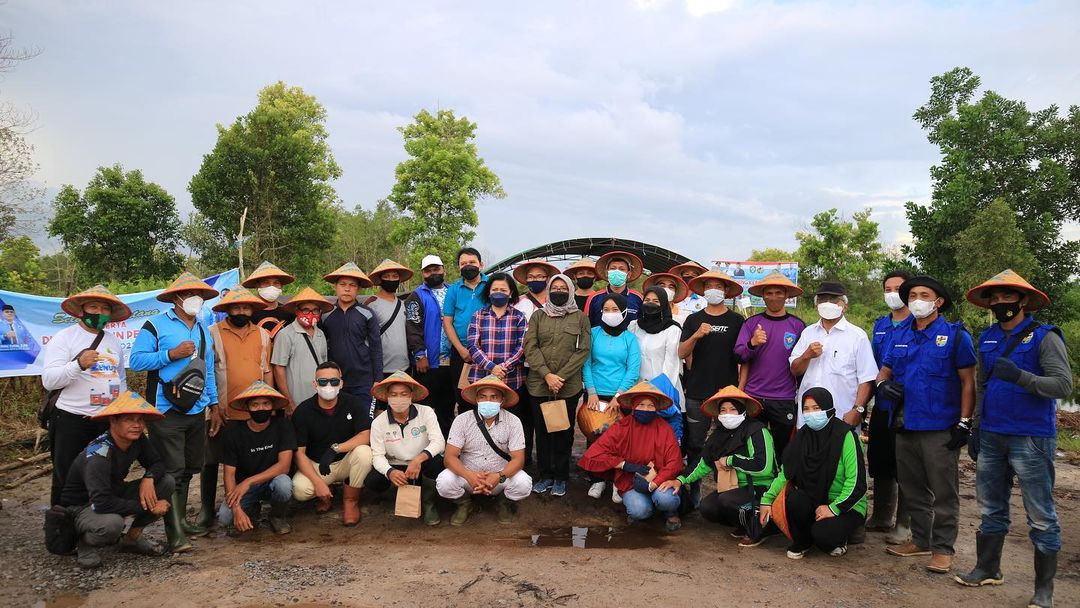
(842, 250)
(996, 148)
(438, 186)
(121, 227)
(772, 254)
(276, 163)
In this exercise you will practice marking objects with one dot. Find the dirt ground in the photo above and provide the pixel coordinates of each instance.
(392, 561)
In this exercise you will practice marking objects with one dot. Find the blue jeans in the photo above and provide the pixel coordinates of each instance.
(1031, 459)
(640, 506)
(278, 490)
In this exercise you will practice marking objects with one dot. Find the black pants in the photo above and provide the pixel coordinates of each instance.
(826, 534)
(524, 411)
(69, 434)
(180, 440)
(779, 417)
(696, 427)
(553, 449)
(440, 383)
(881, 451)
(456, 364)
(723, 507)
(377, 482)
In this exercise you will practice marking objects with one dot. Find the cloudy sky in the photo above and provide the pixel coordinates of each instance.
(710, 127)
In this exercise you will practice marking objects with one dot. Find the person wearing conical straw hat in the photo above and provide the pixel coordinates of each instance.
(476, 464)
(583, 273)
(641, 453)
(267, 281)
(764, 343)
(429, 348)
(95, 489)
(241, 356)
(619, 269)
(688, 271)
(1024, 369)
(178, 352)
(389, 309)
(534, 275)
(675, 289)
(352, 332)
(84, 364)
(299, 347)
(257, 453)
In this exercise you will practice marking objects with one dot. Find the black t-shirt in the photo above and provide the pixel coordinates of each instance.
(715, 364)
(581, 302)
(316, 430)
(253, 452)
(278, 313)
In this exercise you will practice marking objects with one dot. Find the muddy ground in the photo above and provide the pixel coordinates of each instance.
(391, 561)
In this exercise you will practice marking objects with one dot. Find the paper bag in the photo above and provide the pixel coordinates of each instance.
(463, 380)
(408, 501)
(555, 417)
(726, 480)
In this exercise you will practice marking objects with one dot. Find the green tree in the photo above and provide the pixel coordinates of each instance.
(276, 163)
(365, 236)
(841, 250)
(996, 148)
(772, 254)
(438, 186)
(121, 227)
(20, 269)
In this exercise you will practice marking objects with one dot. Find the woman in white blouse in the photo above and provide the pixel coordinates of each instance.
(658, 335)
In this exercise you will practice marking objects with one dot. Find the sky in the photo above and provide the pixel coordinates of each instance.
(709, 127)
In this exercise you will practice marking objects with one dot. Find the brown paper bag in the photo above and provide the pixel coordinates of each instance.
(463, 380)
(408, 501)
(555, 417)
(726, 480)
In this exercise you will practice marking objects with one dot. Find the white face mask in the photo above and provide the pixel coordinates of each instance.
(893, 301)
(670, 294)
(192, 305)
(714, 296)
(328, 393)
(829, 310)
(731, 421)
(399, 404)
(921, 308)
(269, 293)
(612, 319)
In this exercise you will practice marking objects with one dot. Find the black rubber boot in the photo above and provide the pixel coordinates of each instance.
(207, 494)
(1045, 569)
(189, 529)
(987, 563)
(884, 516)
(174, 532)
(279, 519)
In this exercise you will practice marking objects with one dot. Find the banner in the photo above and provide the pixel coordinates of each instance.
(28, 322)
(746, 273)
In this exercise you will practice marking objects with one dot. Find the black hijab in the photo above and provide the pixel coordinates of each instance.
(811, 459)
(723, 442)
(654, 324)
(623, 304)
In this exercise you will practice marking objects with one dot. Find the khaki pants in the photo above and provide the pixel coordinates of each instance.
(354, 468)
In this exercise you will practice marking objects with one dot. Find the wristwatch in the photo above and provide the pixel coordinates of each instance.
(334, 446)
(502, 478)
(861, 409)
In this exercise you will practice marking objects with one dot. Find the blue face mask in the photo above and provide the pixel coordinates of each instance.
(816, 420)
(488, 409)
(616, 278)
(499, 300)
(644, 416)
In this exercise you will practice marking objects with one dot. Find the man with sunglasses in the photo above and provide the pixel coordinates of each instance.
(332, 439)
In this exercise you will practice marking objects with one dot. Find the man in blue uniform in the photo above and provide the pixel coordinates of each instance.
(930, 375)
(1024, 370)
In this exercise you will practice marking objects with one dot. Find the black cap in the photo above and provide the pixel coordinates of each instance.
(926, 281)
(831, 288)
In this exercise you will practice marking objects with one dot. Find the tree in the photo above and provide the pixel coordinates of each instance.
(16, 154)
(20, 269)
(366, 237)
(276, 163)
(438, 186)
(991, 149)
(845, 251)
(120, 228)
(772, 254)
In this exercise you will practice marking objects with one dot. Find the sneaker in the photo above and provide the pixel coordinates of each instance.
(738, 532)
(837, 552)
(940, 563)
(673, 524)
(88, 556)
(908, 549)
(596, 490)
(750, 542)
(797, 554)
(141, 546)
(558, 488)
(542, 486)
(615, 498)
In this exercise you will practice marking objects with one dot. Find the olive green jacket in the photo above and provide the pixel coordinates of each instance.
(557, 345)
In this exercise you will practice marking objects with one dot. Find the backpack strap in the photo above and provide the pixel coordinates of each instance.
(152, 375)
(390, 321)
(487, 435)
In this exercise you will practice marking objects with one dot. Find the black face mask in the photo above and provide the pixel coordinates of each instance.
(240, 320)
(585, 282)
(434, 280)
(261, 416)
(388, 285)
(470, 272)
(1005, 311)
(559, 298)
(650, 309)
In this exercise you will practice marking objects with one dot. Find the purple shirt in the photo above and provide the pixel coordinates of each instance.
(770, 375)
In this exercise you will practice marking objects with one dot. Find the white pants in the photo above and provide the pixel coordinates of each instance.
(353, 468)
(452, 487)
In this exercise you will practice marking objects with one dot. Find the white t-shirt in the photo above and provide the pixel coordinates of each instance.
(846, 361)
(84, 392)
(660, 355)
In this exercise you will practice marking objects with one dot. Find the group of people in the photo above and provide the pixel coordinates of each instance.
(474, 387)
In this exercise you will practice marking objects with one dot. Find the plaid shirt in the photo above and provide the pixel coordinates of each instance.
(497, 341)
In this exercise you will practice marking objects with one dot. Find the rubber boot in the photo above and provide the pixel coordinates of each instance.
(189, 529)
(884, 516)
(858, 535)
(505, 509)
(88, 556)
(427, 500)
(1045, 569)
(279, 517)
(902, 532)
(174, 532)
(987, 562)
(350, 503)
(464, 507)
(207, 495)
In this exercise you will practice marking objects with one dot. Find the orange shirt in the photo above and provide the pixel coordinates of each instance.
(241, 356)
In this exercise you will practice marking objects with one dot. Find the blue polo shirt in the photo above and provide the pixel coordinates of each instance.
(880, 342)
(462, 302)
(149, 353)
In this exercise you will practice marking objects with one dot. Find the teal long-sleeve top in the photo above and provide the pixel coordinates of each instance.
(614, 363)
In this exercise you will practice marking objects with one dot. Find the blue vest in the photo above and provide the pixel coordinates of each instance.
(925, 363)
(1008, 408)
(880, 342)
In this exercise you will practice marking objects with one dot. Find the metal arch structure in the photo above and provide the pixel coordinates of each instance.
(654, 258)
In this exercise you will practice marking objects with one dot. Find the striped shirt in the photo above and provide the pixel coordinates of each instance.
(497, 341)
(476, 453)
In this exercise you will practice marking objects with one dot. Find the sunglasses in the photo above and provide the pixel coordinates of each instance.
(328, 381)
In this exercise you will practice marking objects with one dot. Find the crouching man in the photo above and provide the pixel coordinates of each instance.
(95, 484)
(485, 452)
(257, 454)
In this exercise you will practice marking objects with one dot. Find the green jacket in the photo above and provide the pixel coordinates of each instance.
(556, 345)
(756, 463)
(848, 488)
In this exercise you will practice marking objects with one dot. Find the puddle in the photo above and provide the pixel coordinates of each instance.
(596, 537)
(64, 600)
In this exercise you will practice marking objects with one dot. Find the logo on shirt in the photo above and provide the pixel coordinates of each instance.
(412, 312)
(719, 329)
(416, 431)
(1027, 338)
(789, 340)
(348, 416)
(942, 340)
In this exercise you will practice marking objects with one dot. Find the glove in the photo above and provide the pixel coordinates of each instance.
(326, 460)
(973, 444)
(640, 469)
(960, 432)
(641, 485)
(1006, 370)
(891, 390)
